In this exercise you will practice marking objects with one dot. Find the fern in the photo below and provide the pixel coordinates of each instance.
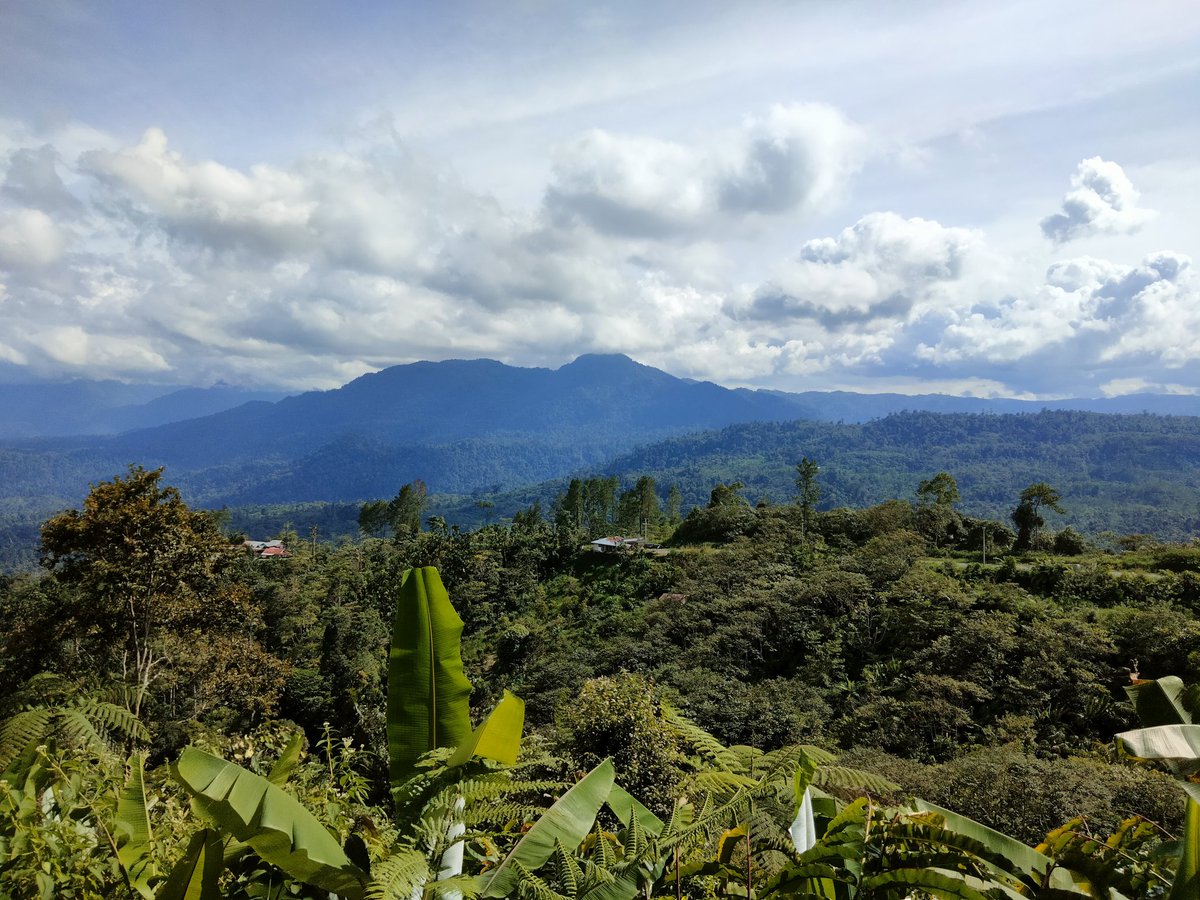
(530, 887)
(398, 876)
(26, 729)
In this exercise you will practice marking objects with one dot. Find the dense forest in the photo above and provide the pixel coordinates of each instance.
(183, 715)
(1123, 473)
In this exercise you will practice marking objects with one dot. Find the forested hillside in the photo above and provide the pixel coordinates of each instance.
(992, 688)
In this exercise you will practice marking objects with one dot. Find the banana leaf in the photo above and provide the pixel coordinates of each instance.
(1022, 861)
(1186, 885)
(275, 825)
(498, 737)
(135, 838)
(567, 822)
(196, 876)
(1160, 701)
(288, 760)
(427, 702)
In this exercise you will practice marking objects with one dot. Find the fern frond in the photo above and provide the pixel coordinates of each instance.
(712, 750)
(27, 728)
(500, 813)
(530, 887)
(635, 838)
(847, 778)
(398, 876)
(74, 725)
(721, 782)
(567, 871)
(458, 885)
(603, 853)
(115, 719)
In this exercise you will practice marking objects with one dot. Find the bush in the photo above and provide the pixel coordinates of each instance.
(620, 717)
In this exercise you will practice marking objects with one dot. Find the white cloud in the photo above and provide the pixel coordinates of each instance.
(884, 267)
(29, 239)
(795, 158)
(1103, 201)
(140, 260)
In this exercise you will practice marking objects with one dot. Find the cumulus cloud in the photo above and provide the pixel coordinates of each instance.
(880, 268)
(29, 239)
(1102, 201)
(139, 261)
(1093, 323)
(794, 158)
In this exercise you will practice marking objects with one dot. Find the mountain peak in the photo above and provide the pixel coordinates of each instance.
(603, 360)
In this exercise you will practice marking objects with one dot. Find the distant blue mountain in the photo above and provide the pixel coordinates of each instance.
(460, 425)
(39, 409)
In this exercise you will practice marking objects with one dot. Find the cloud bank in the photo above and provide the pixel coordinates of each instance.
(138, 260)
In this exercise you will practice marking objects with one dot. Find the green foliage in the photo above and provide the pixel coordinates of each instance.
(427, 690)
(620, 718)
(279, 829)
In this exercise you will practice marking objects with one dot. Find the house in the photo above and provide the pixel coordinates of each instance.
(267, 548)
(615, 544)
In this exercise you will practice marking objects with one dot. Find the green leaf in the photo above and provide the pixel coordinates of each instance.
(273, 823)
(1021, 859)
(1160, 702)
(568, 821)
(1176, 745)
(195, 876)
(623, 803)
(1186, 885)
(288, 760)
(498, 737)
(135, 837)
(427, 703)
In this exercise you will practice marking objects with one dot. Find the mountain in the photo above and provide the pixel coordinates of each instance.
(39, 409)
(462, 426)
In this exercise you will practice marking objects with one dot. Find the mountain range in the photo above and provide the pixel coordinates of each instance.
(466, 427)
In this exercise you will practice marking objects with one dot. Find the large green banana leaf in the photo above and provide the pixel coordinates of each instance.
(1006, 853)
(1162, 701)
(135, 838)
(567, 822)
(498, 737)
(427, 702)
(196, 876)
(275, 824)
(1178, 746)
(1186, 885)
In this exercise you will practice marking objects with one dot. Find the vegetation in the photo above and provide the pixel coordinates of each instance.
(182, 718)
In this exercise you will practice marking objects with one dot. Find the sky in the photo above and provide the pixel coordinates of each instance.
(989, 198)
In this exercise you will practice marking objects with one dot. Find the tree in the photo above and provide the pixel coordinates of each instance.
(936, 517)
(808, 492)
(638, 506)
(674, 502)
(401, 514)
(151, 598)
(940, 490)
(1027, 514)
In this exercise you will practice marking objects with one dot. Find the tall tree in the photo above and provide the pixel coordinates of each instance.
(940, 490)
(674, 503)
(808, 492)
(151, 597)
(1027, 514)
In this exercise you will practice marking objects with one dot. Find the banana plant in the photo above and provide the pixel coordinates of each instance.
(1169, 708)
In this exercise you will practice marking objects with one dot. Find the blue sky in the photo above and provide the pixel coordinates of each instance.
(993, 198)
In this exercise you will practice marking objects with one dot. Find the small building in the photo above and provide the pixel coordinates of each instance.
(267, 548)
(616, 544)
